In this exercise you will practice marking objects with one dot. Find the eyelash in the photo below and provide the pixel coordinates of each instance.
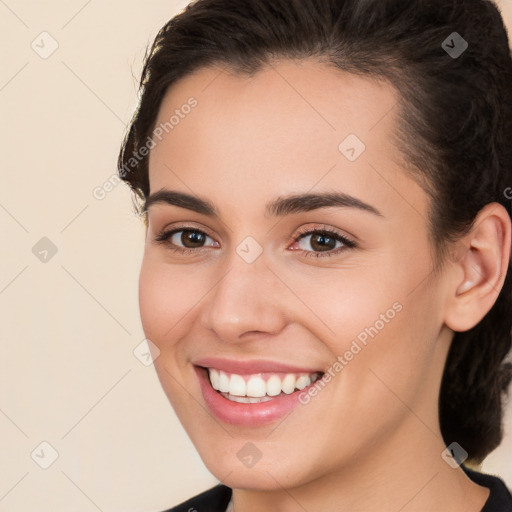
(164, 236)
(347, 243)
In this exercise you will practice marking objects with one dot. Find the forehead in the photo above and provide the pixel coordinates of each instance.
(292, 126)
(285, 101)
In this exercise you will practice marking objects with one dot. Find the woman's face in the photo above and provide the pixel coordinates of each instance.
(252, 282)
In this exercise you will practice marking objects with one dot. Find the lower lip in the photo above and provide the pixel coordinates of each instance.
(250, 415)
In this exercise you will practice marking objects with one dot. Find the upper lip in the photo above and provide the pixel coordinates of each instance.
(242, 367)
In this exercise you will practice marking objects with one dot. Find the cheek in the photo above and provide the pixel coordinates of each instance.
(388, 359)
(373, 320)
(342, 304)
(166, 300)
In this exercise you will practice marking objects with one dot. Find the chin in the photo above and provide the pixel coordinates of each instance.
(268, 475)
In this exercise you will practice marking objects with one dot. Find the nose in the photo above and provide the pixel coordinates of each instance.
(248, 299)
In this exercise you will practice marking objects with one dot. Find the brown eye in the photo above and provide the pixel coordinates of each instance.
(195, 238)
(183, 239)
(323, 242)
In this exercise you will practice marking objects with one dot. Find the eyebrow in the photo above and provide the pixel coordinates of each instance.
(278, 207)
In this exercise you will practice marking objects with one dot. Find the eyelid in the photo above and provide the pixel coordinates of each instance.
(325, 228)
(164, 235)
(347, 240)
(186, 226)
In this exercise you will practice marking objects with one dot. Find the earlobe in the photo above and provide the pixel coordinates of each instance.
(479, 271)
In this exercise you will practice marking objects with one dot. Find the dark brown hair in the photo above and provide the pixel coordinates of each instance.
(454, 130)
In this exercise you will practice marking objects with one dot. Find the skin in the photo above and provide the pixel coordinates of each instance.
(370, 440)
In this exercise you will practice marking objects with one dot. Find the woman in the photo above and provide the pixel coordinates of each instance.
(326, 277)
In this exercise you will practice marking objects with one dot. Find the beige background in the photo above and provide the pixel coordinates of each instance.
(69, 326)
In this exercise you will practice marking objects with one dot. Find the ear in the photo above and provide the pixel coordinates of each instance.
(478, 268)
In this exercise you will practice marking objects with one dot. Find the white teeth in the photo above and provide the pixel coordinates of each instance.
(223, 383)
(288, 384)
(258, 400)
(237, 385)
(214, 378)
(274, 386)
(303, 381)
(240, 399)
(255, 389)
(246, 399)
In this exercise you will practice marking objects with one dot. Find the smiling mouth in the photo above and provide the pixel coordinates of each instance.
(258, 387)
